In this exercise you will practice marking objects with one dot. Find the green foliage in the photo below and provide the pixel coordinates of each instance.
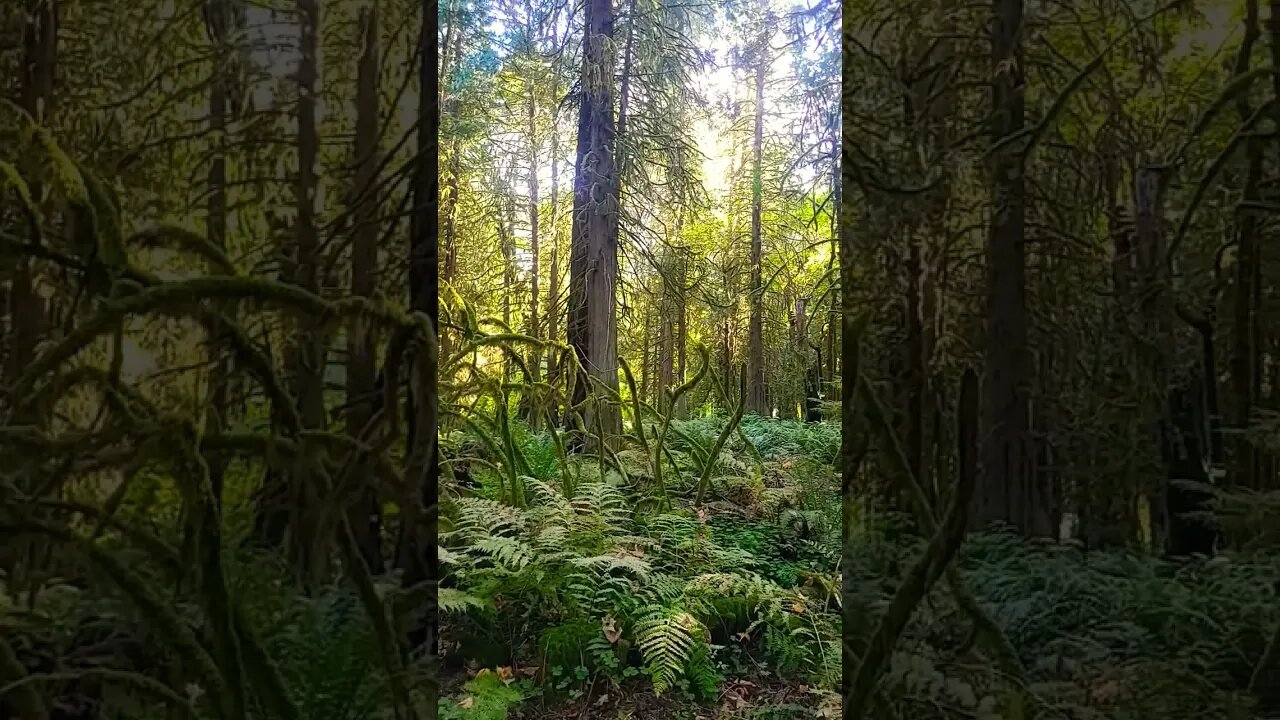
(598, 579)
(1105, 635)
(485, 697)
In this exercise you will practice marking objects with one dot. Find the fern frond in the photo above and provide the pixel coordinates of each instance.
(622, 561)
(505, 552)
(452, 600)
(667, 642)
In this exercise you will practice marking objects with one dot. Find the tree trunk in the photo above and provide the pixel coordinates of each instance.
(726, 359)
(666, 336)
(219, 24)
(449, 239)
(755, 350)
(553, 310)
(535, 356)
(28, 312)
(1006, 490)
(310, 347)
(452, 31)
(646, 345)
(833, 332)
(682, 330)
(553, 286)
(416, 545)
(364, 514)
(1244, 346)
(593, 266)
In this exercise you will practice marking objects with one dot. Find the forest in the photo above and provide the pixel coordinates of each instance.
(1060, 366)
(639, 513)
(218, 413)
(497, 359)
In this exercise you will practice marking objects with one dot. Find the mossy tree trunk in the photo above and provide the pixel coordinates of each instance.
(593, 264)
(364, 513)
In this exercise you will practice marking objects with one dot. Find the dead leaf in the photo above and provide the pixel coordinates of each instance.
(467, 703)
(602, 700)
(797, 608)
(611, 630)
(505, 675)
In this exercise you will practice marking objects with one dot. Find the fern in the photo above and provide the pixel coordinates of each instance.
(452, 600)
(506, 552)
(668, 640)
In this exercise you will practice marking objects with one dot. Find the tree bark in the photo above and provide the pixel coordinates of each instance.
(535, 359)
(1244, 347)
(450, 267)
(1007, 491)
(220, 24)
(308, 349)
(364, 514)
(416, 551)
(756, 400)
(682, 331)
(28, 312)
(593, 266)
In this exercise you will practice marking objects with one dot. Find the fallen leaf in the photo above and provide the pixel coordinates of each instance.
(611, 630)
(505, 675)
(797, 608)
(467, 703)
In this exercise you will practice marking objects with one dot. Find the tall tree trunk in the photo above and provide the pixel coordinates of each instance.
(682, 330)
(553, 309)
(535, 359)
(416, 551)
(28, 312)
(593, 266)
(1244, 346)
(915, 365)
(646, 344)
(507, 242)
(553, 286)
(755, 344)
(364, 514)
(449, 239)
(452, 30)
(29, 315)
(1006, 489)
(666, 333)
(308, 348)
(624, 100)
(726, 359)
(833, 332)
(221, 23)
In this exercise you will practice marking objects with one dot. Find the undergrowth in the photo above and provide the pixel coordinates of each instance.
(1114, 634)
(594, 585)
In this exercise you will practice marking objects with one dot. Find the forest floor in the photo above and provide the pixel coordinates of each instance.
(730, 610)
(733, 610)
